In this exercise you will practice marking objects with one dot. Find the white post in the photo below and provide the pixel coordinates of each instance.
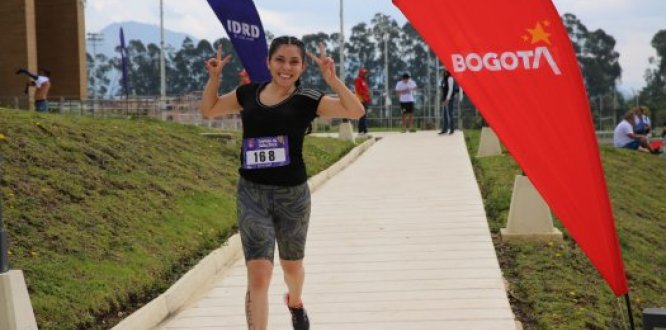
(162, 64)
(387, 100)
(346, 131)
(342, 44)
(428, 102)
(614, 91)
(438, 93)
(601, 105)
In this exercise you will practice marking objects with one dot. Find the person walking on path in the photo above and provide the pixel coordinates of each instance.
(42, 84)
(273, 199)
(405, 89)
(363, 94)
(450, 92)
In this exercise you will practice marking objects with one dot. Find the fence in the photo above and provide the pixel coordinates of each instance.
(180, 109)
(605, 109)
(383, 113)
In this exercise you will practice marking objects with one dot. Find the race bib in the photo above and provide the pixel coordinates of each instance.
(265, 152)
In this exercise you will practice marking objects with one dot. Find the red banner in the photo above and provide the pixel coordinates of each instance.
(516, 63)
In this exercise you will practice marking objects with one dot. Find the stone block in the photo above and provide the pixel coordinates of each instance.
(529, 215)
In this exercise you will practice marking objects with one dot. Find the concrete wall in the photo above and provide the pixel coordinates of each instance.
(43, 34)
(18, 45)
(61, 46)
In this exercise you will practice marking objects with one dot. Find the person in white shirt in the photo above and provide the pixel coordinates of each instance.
(405, 89)
(624, 136)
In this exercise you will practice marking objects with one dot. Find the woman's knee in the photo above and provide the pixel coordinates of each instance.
(259, 273)
(292, 267)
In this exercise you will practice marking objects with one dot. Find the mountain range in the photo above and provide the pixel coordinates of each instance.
(134, 31)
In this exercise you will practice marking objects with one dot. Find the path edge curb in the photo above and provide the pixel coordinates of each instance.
(216, 263)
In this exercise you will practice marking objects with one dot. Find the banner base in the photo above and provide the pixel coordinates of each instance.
(529, 215)
(15, 309)
(346, 132)
(489, 144)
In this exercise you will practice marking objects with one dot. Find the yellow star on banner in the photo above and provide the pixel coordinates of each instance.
(525, 38)
(538, 34)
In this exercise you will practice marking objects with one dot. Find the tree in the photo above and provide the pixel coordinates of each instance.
(599, 63)
(596, 55)
(416, 53)
(577, 32)
(312, 77)
(653, 95)
(182, 68)
(98, 80)
(384, 25)
(143, 68)
(361, 49)
(601, 66)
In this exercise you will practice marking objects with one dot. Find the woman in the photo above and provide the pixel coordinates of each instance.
(273, 196)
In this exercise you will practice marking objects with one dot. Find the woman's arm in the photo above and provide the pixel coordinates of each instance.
(347, 105)
(213, 105)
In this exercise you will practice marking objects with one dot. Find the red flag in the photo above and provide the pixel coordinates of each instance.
(516, 63)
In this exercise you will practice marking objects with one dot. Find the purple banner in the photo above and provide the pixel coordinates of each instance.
(124, 62)
(241, 21)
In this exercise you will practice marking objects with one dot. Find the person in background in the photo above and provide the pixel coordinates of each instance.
(244, 77)
(405, 89)
(450, 93)
(363, 94)
(273, 199)
(42, 84)
(642, 124)
(624, 136)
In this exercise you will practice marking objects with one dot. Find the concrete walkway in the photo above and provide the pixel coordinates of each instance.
(398, 240)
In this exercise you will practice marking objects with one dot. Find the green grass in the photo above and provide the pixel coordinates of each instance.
(554, 286)
(105, 214)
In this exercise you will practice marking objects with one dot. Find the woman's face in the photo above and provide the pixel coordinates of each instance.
(286, 65)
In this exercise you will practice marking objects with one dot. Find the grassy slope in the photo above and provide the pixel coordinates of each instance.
(103, 215)
(554, 286)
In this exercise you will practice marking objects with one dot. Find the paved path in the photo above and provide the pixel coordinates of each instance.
(398, 240)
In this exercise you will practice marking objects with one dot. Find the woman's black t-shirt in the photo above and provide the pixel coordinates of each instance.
(272, 148)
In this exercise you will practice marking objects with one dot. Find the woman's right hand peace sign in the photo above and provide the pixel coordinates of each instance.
(325, 63)
(214, 65)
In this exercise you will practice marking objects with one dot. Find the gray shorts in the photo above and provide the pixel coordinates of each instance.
(268, 213)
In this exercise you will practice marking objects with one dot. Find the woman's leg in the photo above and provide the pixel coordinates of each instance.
(291, 228)
(449, 117)
(294, 275)
(259, 273)
(258, 237)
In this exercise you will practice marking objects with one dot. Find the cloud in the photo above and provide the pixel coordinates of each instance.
(198, 21)
(100, 13)
(632, 23)
(293, 23)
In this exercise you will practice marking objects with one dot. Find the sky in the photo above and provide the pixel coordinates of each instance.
(632, 23)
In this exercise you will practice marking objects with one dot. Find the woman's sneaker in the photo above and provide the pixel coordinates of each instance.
(299, 317)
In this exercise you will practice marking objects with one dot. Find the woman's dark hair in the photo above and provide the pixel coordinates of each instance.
(286, 40)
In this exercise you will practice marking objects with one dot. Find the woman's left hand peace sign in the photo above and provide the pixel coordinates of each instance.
(325, 63)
